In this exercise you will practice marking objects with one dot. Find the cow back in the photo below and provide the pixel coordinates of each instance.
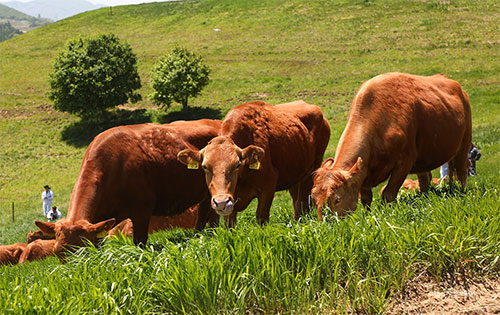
(292, 134)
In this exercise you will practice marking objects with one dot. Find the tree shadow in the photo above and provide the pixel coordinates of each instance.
(191, 113)
(82, 132)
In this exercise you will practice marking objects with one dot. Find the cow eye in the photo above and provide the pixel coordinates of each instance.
(336, 200)
(237, 166)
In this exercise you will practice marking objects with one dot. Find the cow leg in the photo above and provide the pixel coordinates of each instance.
(230, 220)
(424, 181)
(265, 198)
(366, 196)
(397, 178)
(204, 213)
(141, 226)
(300, 196)
(460, 166)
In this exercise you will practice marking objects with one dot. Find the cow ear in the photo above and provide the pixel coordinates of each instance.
(46, 227)
(355, 172)
(252, 155)
(328, 163)
(189, 157)
(356, 168)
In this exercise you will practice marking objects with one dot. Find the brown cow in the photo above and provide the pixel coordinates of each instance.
(398, 124)
(37, 249)
(39, 235)
(9, 254)
(186, 220)
(262, 149)
(133, 172)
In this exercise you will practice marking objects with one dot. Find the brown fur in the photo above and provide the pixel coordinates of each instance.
(398, 124)
(133, 172)
(37, 249)
(411, 184)
(39, 235)
(10, 254)
(186, 220)
(288, 140)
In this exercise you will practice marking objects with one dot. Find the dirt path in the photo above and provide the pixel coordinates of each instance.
(424, 296)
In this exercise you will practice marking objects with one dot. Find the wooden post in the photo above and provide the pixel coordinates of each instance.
(12, 211)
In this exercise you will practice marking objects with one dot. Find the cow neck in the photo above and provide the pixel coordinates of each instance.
(352, 144)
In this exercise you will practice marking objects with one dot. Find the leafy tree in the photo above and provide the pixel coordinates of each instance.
(93, 74)
(177, 77)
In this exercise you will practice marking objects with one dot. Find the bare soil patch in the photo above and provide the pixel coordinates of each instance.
(425, 296)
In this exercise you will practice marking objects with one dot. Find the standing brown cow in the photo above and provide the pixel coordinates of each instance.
(398, 124)
(133, 172)
(262, 149)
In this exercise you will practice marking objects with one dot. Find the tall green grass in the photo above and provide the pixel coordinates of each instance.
(342, 265)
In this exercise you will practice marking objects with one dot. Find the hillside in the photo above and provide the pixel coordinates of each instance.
(320, 51)
(53, 9)
(19, 20)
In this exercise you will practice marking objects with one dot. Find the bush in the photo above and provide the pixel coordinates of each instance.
(178, 76)
(94, 74)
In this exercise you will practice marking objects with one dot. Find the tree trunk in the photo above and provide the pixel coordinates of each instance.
(185, 104)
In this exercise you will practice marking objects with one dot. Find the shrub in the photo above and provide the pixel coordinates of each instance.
(177, 77)
(94, 74)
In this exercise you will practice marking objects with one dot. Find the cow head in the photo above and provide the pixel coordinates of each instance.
(69, 234)
(223, 162)
(337, 188)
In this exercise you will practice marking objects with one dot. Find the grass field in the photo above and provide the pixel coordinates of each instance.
(319, 51)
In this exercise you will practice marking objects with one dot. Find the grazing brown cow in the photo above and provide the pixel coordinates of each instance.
(133, 172)
(398, 124)
(37, 249)
(262, 149)
(9, 254)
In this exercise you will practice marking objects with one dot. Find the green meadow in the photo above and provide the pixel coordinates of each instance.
(276, 51)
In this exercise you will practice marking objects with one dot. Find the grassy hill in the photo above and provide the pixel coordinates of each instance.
(19, 20)
(319, 51)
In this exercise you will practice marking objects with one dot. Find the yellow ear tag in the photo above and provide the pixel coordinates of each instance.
(102, 234)
(255, 165)
(193, 165)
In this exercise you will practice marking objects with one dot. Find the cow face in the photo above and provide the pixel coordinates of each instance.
(68, 235)
(336, 188)
(223, 162)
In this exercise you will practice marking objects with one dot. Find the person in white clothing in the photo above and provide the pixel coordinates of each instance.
(47, 197)
(54, 214)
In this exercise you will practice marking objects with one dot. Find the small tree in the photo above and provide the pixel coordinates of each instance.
(178, 76)
(94, 74)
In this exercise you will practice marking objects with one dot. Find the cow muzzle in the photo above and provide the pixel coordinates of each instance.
(223, 204)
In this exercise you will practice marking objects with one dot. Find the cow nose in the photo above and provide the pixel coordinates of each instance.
(222, 204)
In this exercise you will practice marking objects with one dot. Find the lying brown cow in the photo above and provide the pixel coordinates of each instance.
(10, 254)
(262, 149)
(37, 249)
(411, 184)
(39, 235)
(133, 172)
(398, 124)
(186, 220)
